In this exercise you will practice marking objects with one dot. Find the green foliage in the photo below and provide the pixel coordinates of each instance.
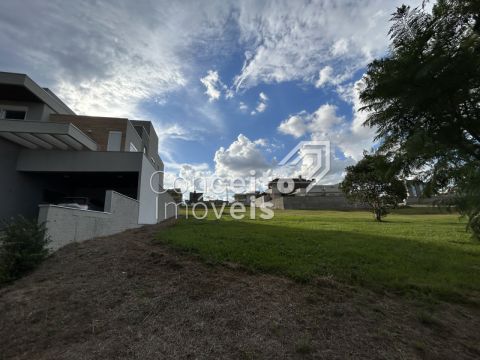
(468, 200)
(424, 256)
(372, 182)
(22, 247)
(424, 96)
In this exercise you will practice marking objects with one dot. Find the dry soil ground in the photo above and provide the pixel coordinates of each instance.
(121, 297)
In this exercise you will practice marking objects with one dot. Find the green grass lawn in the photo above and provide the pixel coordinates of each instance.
(428, 254)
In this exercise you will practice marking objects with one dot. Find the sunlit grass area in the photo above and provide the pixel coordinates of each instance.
(426, 255)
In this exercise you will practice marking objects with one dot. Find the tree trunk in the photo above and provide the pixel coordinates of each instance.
(378, 214)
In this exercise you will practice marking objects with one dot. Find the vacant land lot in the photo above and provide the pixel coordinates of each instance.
(428, 255)
(128, 296)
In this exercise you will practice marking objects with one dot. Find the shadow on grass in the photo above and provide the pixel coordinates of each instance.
(407, 266)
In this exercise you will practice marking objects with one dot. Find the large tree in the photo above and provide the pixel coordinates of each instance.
(372, 182)
(423, 99)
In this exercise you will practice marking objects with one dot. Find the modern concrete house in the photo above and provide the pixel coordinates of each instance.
(85, 176)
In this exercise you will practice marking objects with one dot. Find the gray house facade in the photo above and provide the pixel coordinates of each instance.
(50, 158)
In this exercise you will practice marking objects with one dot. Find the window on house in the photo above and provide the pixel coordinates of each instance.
(15, 114)
(114, 141)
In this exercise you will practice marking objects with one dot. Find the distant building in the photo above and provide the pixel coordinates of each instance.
(195, 197)
(216, 202)
(280, 186)
(176, 195)
(246, 198)
(319, 197)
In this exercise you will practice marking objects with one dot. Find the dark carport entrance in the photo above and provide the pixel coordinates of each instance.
(58, 187)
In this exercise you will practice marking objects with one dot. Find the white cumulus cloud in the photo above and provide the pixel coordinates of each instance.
(240, 157)
(322, 121)
(213, 84)
(350, 137)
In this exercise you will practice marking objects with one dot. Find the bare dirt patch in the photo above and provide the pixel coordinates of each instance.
(122, 297)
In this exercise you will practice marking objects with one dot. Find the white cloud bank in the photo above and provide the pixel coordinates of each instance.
(105, 58)
(284, 44)
(322, 121)
(232, 163)
(352, 138)
(244, 155)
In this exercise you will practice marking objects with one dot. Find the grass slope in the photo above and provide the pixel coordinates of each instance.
(428, 255)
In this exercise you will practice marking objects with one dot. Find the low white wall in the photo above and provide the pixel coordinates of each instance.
(66, 225)
(148, 198)
(167, 207)
(155, 206)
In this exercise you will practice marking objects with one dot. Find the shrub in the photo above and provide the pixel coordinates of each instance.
(23, 246)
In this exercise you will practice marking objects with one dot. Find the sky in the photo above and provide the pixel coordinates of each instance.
(231, 86)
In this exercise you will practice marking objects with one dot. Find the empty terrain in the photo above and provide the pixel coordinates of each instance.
(144, 295)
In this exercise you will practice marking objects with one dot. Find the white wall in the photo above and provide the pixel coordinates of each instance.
(167, 207)
(66, 225)
(149, 213)
(147, 198)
